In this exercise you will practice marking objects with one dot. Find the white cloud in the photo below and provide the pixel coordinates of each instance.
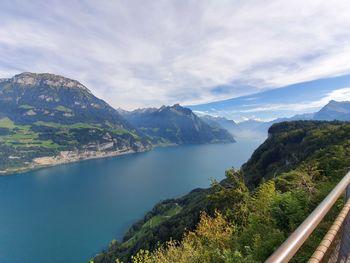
(143, 53)
(303, 106)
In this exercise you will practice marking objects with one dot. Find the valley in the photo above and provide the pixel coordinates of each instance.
(174, 131)
(71, 212)
(272, 193)
(47, 120)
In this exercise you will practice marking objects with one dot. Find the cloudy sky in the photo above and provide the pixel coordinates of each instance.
(301, 98)
(153, 52)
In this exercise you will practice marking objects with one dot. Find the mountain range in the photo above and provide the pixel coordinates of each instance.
(47, 119)
(221, 122)
(279, 101)
(334, 110)
(175, 125)
(28, 97)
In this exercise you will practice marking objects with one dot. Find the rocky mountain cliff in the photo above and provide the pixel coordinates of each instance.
(29, 97)
(47, 119)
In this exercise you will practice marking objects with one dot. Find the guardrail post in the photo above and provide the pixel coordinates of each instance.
(344, 251)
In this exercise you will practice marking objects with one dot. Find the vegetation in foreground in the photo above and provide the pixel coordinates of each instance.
(248, 215)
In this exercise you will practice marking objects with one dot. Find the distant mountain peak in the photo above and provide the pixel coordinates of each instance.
(252, 121)
(52, 80)
(139, 110)
(176, 108)
(334, 110)
(4, 80)
(333, 103)
(30, 97)
(175, 124)
(181, 110)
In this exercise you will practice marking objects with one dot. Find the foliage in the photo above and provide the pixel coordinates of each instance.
(210, 242)
(50, 114)
(63, 109)
(250, 213)
(44, 114)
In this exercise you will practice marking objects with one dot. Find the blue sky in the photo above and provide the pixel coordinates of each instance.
(149, 53)
(306, 97)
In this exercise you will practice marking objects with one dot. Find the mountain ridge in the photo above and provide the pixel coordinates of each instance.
(48, 119)
(32, 79)
(334, 110)
(288, 175)
(231, 126)
(30, 96)
(175, 125)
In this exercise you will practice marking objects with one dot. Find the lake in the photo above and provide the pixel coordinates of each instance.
(69, 213)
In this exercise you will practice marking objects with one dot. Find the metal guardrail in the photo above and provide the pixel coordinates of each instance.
(289, 248)
(330, 239)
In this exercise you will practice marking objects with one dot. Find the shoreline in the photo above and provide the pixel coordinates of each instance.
(51, 161)
(33, 166)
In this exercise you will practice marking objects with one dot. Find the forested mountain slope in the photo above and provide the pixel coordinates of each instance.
(47, 119)
(175, 125)
(250, 213)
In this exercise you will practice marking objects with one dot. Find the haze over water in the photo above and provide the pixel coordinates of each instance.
(69, 213)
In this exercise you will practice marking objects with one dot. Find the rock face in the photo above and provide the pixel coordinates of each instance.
(334, 110)
(42, 115)
(33, 79)
(175, 125)
(48, 97)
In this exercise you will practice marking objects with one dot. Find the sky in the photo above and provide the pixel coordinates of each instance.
(153, 52)
(283, 102)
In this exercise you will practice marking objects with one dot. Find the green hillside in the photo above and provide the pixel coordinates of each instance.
(248, 215)
(47, 119)
(58, 120)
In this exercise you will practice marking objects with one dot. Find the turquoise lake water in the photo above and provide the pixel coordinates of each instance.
(69, 213)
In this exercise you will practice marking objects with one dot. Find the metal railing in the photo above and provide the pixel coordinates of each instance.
(330, 239)
(290, 247)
